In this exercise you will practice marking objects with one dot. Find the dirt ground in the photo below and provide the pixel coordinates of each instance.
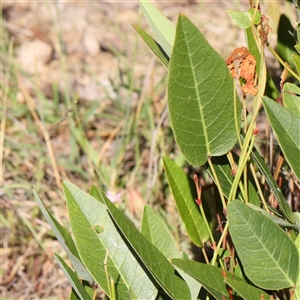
(80, 47)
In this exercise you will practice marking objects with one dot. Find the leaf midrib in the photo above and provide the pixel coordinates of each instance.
(275, 261)
(198, 99)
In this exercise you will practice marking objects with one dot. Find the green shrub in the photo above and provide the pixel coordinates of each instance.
(255, 246)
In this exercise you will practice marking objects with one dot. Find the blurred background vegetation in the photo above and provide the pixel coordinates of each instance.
(84, 100)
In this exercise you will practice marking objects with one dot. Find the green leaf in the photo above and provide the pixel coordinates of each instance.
(65, 240)
(88, 243)
(95, 236)
(85, 144)
(297, 217)
(156, 263)
(163, 29)
(95, 193)
(268, 256)
(157, 232)
(209, 276)
(291, 98)
(297, 287)
(285, 41)
(200, 94)
(287, 128)
(89, 289)
(271, 89)
(253, 49)
(153, 45)
(223, 170)
(287, 211)
(279, 221)
(247, 291)
(296, 59)
(184, 192)
(244, 19)
(73, 279)
(192, 283)
(73, 295)
(298, 30)
(257, 17)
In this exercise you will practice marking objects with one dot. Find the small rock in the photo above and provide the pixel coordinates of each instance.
(91, 43)
(34, 55)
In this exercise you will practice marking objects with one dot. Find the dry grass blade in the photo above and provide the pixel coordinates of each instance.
(45, 134)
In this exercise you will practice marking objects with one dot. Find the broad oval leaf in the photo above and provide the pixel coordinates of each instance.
(287, 128)
(156, 231)
(193, 284)
(269, 257)
(211, 277)
(200, 91)
(96, 236)
(244, 19)
(184, 192)
(156, 263)
(247, 291)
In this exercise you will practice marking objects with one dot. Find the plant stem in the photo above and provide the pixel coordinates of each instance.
(217, 183)
(259, 188)
(284, 64)
(236, 115)
(206, 223)
(249, 139)
(234, 169)
(216, 250)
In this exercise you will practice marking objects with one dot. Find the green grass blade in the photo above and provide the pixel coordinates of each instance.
(268, 255)
(200, 92)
